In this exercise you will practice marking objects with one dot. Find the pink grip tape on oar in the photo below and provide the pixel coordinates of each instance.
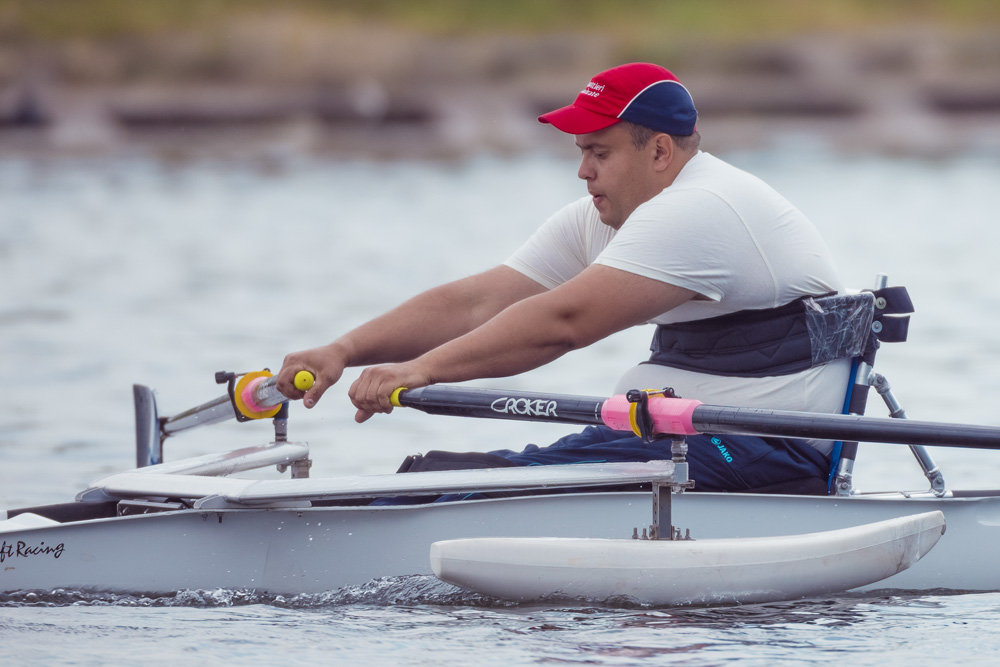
(245, 396)
(670, 415)
(249, 395)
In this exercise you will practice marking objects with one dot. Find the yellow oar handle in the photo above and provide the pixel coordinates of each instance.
(304, 380)
(394, 396)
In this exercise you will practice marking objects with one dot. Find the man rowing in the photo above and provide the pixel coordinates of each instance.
(669, 235)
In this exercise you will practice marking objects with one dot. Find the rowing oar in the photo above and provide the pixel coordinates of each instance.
(250, 396)
(678, 416)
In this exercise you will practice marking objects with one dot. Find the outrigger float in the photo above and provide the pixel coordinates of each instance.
(554, 531)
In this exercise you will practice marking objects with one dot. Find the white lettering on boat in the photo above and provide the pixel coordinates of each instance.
(530, 407)
(22, 549)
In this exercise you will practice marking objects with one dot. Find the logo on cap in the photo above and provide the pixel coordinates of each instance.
(593, 89)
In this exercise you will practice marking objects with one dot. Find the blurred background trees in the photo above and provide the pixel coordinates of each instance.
(392, 77)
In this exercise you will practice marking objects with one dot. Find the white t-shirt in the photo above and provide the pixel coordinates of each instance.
(724, 234)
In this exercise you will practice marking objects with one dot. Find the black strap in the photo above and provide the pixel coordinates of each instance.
(788, 339)
(892, 308)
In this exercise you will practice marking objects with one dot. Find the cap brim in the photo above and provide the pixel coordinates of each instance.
(574, 120)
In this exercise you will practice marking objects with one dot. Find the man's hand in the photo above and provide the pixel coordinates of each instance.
(371, 392)
(325, 363)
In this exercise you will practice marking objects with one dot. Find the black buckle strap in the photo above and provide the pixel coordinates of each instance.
(892, 320)
(893, 300)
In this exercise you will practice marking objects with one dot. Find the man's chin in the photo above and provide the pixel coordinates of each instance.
(610, 221)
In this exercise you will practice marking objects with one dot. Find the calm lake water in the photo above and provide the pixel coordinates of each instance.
(133, 270)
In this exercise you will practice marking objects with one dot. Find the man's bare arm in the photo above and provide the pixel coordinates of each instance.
(528, 334)
(421, 323)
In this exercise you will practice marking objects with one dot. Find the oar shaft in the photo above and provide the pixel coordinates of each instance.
(495, 404)
(267, 393)
(261, 393)
(682, 416)
(212, 412)
(751, 421)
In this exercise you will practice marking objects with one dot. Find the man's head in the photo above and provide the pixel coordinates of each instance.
(635, 127)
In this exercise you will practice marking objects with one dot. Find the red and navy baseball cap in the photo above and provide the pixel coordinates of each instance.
(642, 93)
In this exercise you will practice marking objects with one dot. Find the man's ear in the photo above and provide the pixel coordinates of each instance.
(663, 151)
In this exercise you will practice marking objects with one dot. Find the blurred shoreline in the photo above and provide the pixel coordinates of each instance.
(921, 91)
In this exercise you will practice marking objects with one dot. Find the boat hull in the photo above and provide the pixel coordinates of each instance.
(310, 550)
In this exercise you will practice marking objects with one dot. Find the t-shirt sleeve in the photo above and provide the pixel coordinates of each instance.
(558, 250)
(689, 238)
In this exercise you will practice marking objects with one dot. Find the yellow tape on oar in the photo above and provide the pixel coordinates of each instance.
(633, 411)
(394, 396)
(633, 418)
(243, 396)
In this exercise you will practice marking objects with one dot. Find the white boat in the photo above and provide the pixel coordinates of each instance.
(188, 524)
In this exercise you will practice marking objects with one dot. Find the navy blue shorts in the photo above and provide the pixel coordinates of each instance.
(716, 462)
(734, 463)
